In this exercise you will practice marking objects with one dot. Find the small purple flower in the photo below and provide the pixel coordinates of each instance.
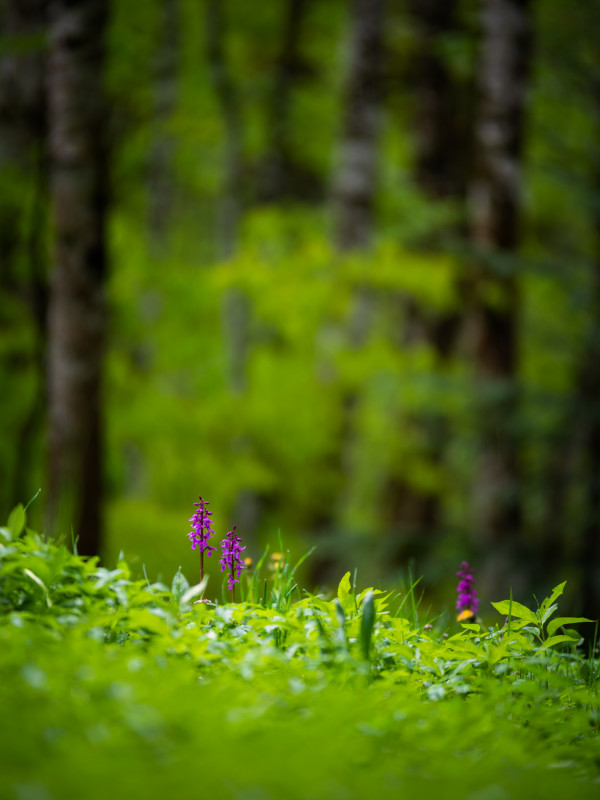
(201, 528)
(467, 602)
(232, 558)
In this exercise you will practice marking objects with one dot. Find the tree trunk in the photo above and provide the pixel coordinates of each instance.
(279, 171)
(491, 287)
(161, 180)
(439, 151)
(77, 311)
(355, 180)
(235, 311)
(22, 244)
(589, 555)
(412, 513)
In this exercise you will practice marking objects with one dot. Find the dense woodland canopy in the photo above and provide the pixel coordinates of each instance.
(333, 264)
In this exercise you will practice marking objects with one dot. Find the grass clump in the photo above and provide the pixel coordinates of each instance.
(114, 685)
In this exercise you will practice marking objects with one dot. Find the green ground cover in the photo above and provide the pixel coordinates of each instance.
(110, 685)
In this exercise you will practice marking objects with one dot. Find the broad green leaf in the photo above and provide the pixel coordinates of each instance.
(546, 610)
(344, 594)
(16, 520)
(194, 591)
(365, 592)
(560, 621)
(506, 607)
(179, 586)
(545, 616)
(556, 640)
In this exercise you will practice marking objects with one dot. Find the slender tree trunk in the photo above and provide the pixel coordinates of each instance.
(355, 178)
(77, 311)
(227, 97)
(161, 178)
(236, 311)
(23, 161)
(277, 173)
(439, 151)
(410, 512)
(589, 555)
(492, 291)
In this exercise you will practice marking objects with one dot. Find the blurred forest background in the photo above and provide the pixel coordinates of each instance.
(332, 264)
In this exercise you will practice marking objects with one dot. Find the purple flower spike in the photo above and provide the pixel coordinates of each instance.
(231, 559)
(201, 528)
(467, 602)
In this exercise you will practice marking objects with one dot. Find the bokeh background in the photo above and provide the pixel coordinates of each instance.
(348, 262)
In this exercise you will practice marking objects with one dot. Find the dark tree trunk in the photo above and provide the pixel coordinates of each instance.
(229, 103)
(355, 178)
(589, 555)
(235, 311)
(439, 151)
(491, 287)
(161, 178)
(22, 220)
(279, 172)
(411, 513)
(77, 311)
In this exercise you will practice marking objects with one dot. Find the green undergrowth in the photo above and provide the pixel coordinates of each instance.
(110, 685)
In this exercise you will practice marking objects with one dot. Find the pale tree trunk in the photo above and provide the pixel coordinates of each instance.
(22, 222)
(356, 173)
(161, 188)
(355, 179)
(77, 310)
(491, 288)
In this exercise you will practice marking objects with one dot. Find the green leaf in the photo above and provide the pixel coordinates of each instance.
(344, 594)
(367, 623)
(560, 621)
(194, 591)
(546, 610)
(543, 617)
(506, 607)
(179, 586)
(556, 640)
(16, 520)
(365, 592)
(339, 612)
(41, 584)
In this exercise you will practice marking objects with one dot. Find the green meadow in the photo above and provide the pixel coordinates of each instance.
(123, 687)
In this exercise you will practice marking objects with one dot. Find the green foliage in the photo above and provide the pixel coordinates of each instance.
(101, 675)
